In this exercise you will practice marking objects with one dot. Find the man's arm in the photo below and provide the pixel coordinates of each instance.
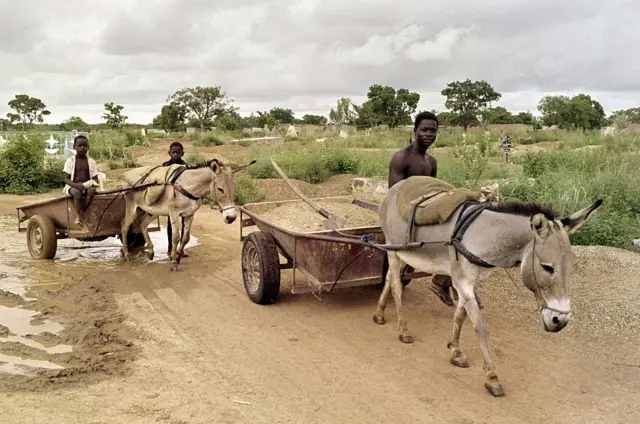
(68, 181)
(396, 168)
(434, 166)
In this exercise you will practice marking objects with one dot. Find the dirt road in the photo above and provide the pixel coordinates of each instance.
(190, 347)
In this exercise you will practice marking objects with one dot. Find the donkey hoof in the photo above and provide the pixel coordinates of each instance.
(459, 361)
(175, 268)
(127, 257)
(405, 338)
(150, 255)
(379, 320)
(494, 388)
(183, 255)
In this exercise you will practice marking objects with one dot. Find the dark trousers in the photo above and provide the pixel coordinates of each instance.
(169, 232)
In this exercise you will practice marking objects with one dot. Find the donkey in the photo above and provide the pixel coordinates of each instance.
(182, 197)
(468, 246)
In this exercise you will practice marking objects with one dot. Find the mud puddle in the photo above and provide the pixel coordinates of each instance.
(30, 338)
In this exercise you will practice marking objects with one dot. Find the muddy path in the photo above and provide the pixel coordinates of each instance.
(155, 346)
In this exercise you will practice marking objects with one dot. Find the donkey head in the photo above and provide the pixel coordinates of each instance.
(224, 187)
(547, 265)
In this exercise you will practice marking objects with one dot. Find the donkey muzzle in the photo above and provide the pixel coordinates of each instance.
(554, 321)
(229, 214)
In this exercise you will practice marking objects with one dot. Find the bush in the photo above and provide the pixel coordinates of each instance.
(571, 180)
(208, 139)
(247, 192)
(24, 170)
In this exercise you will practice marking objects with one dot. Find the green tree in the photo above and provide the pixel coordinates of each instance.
(314, 120)
(344, 114)
(283, 116)
(526, 118)
(266, 119)
(500, 115)
(171, 118)
(28, 110)
(113, 115)
(386, 106)
(74, 123)
(229, 121)
(551, 108)
(577, 112)
(204, 102)
(632, 116)
(445, 118)
(469, 99)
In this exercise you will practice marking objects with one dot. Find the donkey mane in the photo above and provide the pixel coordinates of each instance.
(206, 164)
(518, 207)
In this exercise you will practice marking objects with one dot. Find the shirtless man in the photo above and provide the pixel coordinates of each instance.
(80, 177)
(414, 160)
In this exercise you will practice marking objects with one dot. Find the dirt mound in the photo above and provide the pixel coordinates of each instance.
(301, 217)
(101, 341)
(276, 189)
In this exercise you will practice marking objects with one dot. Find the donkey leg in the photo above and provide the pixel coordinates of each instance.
(144, 224)
(176, 224)
(492, 383)
(457, 357)
(129, 217)
(393, 279)
(378, 317)
(186, 235)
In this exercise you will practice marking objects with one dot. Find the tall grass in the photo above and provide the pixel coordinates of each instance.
(571, 180)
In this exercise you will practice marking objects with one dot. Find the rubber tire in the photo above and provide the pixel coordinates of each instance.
(134, 240)
(269, 284)
(49, 238)
(406, 281)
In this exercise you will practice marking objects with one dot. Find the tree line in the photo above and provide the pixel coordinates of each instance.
(468, 103)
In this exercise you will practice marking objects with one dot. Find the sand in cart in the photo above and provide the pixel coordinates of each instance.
(301, 217)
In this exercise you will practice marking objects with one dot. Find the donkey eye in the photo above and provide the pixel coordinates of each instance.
(547, 268)
(220, 190)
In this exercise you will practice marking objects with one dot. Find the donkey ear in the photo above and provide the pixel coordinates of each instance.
(540, 225)
(216, 165)
(574, 222)
(239, 168)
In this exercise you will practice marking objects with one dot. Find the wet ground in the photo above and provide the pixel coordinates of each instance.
(20, 276)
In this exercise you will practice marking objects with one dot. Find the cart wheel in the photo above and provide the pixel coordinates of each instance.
(261, 268)
(134, 240)
(41, 237)
(405, 281)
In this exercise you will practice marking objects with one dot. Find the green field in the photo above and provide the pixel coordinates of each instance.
(569, 169)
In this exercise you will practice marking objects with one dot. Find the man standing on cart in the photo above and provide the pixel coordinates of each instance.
(414, 160)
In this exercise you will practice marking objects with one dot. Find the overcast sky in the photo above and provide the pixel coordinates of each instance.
(303, 54)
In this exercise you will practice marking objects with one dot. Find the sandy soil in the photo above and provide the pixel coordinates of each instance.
(155, 346)
(152, 346)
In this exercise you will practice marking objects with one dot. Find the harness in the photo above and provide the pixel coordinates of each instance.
(463, 222)
(469, 212)
(172, 181)
(172, 178)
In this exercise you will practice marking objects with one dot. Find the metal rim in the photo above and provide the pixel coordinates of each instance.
(35, 239)
(251, 268)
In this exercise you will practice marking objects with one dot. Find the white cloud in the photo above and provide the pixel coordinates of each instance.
(304, 54)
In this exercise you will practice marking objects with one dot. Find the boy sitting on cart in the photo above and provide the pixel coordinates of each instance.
(80, 177)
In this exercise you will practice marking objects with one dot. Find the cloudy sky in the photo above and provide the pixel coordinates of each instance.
(303, 54)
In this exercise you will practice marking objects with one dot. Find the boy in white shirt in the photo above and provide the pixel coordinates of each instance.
(80, 177)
